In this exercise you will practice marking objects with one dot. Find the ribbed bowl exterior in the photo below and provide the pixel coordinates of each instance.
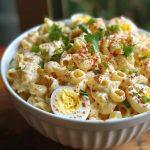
(83, 138)
(76, 134)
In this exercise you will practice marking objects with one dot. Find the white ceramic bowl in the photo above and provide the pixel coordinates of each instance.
(74, 133)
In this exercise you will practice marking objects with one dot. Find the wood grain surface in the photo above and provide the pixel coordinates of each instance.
(16, 134)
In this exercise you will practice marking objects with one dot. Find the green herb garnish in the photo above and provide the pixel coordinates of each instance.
(55, 33)
(144, 57)
(112, 29)
(43, 52)
(123, 69)
(41, 64)
(145, 99)
(135, 93)
(35, 49)
(67, 47)
(83, 28)
(65, 40)
(130, 72)
(127, 49)
(126, 103)
(133, 71)
(83, 93)
(18, 68)
(91, 21)
(93, 39)
(68, 68)
(105, 64)
(56, 57)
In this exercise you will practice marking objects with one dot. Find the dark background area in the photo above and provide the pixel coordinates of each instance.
(17, 16)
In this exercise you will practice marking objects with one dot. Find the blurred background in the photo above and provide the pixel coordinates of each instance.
(18, 15)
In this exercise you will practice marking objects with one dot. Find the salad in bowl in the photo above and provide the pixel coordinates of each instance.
(84, 82)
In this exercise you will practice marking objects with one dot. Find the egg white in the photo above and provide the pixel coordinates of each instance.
(81, 113)
(134, 100)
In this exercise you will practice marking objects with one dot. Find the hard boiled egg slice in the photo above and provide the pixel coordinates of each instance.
(79, 18)
(124, 23)
(138, 96)
(67, 103)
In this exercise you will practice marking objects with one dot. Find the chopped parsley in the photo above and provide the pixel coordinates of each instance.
(56, 57)
(91, 21)
(123, 69)
(145, 99)
(68, 47)
(127, 49)
(105, 64)
(83, 93)
(126, 103)
(144, 57)
(112, 29)
(68, 68)
(65, 40)
(55, 33)
(41, 64)
(133, 71)
(43, 52)
(135, 93)
(35, 49)
(18, 68)
(93, 39)
(130, 72)
(84, 28)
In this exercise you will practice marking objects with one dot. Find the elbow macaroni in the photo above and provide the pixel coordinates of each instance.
(109, 62)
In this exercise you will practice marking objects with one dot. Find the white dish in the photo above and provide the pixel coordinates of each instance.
(75, 133)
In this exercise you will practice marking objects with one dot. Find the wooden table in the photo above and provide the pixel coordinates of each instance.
(16, 134)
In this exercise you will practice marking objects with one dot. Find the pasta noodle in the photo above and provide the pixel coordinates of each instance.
(108, 62)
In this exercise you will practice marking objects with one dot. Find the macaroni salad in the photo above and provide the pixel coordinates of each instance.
(85, 68)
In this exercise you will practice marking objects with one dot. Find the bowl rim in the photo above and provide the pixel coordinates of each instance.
(48, 114)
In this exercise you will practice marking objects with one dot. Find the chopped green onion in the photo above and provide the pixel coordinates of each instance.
(83, 93)
(123, 69)
(135, 93)
(55, 33)
(144, 57)
(145, 99)
(41, 64)
(18, 68)
(93, 39)
(112, 29)
(127, 49)
(105, 64)
(35, 49)
(83, 28)
(126, 103)
(133, 71)
(69, 46)
(65, 40)
(68, 68)
(56, 57)
(91, 21)
(130, 72)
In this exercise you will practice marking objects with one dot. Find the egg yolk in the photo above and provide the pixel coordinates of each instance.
(67, 101)
(125, 27)
(147, 95)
